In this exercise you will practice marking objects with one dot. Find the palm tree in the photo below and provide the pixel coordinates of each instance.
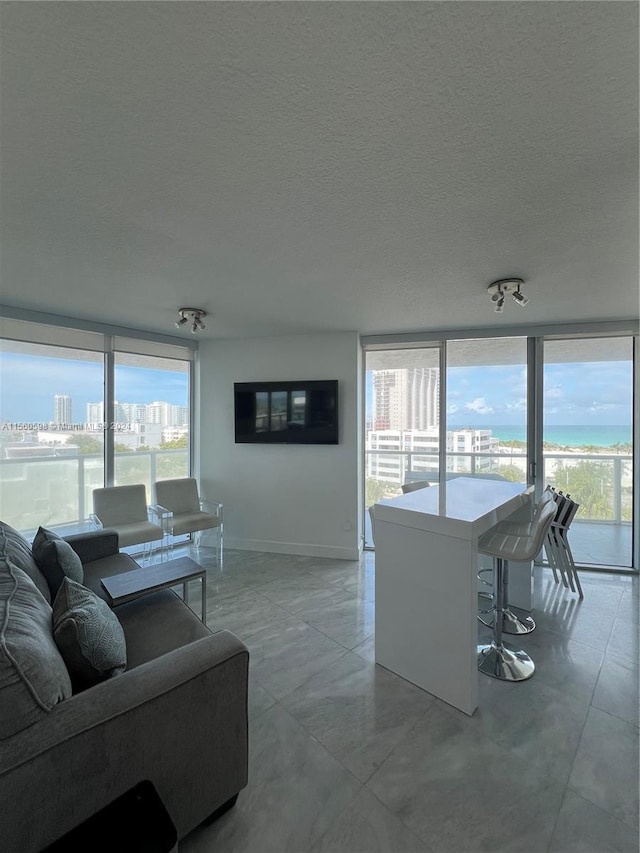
(590, 484)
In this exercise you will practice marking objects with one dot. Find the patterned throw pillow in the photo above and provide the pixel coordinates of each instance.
(56, 559)
(88, 634)
(33, 675)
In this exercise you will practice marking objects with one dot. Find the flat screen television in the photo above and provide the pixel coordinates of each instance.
(286, 412)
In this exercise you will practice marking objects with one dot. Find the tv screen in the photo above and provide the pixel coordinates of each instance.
(286, 412)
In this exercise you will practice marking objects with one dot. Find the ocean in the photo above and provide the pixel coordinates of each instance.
(570, 436)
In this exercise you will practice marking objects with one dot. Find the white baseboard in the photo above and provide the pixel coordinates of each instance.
(299, 549)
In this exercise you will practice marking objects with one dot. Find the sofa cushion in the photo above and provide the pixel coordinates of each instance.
(33, 675)
(56, 559)
(189, 522)
(88, 635)
(156, 624)
(13, 545)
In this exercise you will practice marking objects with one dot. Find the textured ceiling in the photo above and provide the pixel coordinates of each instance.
(295, 167)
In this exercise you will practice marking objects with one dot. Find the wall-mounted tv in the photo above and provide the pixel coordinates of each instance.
(286, 412)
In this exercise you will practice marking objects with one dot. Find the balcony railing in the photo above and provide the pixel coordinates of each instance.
(56, 491)
(601, 483)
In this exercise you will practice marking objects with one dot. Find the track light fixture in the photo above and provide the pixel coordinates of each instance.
(192, 316)
(519, 298)
(497, 291)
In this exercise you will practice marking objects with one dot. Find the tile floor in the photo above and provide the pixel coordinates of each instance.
(345, 756)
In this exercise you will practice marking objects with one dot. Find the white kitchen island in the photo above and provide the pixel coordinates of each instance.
(426, 607)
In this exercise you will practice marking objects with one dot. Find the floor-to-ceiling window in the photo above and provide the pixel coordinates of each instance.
(402, 405)
(487, 407)
(151, 413)
(540, 408)
(51, 449)
(81, 409)
(587, 441)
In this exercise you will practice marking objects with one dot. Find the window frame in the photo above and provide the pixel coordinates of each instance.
(535, 337)
(38, 328)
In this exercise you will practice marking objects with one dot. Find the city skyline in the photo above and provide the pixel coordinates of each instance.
(583, 394)
(597, 394)
(29, 384)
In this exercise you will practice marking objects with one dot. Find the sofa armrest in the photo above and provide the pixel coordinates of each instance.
(94, 545)
(179, 720)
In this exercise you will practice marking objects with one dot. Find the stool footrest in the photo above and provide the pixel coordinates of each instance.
(511, 624)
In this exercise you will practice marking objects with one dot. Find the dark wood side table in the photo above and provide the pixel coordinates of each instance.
(129, 585)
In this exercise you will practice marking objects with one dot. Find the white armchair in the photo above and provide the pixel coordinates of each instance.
(124, 509)
(182, 511)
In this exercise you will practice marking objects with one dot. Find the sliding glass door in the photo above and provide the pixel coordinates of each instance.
(540, 410)
(587, 442)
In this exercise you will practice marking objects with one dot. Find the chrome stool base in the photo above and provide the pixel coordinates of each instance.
(505, 664)
(511, 624)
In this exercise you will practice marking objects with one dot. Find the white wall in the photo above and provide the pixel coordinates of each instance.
(286, 499)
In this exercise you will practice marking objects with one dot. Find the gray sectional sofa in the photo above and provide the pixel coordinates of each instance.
(176, 716)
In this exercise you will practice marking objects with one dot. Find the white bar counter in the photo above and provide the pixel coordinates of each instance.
(426, 608)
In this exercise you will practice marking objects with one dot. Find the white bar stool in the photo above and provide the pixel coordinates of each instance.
(504, 542)
(512, 624)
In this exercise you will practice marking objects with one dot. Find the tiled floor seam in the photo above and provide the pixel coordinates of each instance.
(573, 790)
(615, 716)
(337, 817)
(314, 841)
(418, 838)
(315, 628)
(397, 746)
(604, 811)
(555, 823)
(513, 750)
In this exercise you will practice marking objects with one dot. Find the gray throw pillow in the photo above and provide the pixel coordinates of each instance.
(56, 559)
(33, 675)
(88, 634)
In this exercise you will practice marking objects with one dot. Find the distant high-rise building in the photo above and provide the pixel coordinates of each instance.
(139, 413)
(406, 398)
(178, 416)
(95, 413)
(159, 412)
(424, 445)
(62, 409)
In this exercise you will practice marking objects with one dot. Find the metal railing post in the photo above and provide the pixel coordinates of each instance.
(152, 472)
(617, 489)
(81, 482)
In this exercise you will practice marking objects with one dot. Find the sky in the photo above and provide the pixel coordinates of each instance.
(480, 396)
(595, 394)
(28, 385)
